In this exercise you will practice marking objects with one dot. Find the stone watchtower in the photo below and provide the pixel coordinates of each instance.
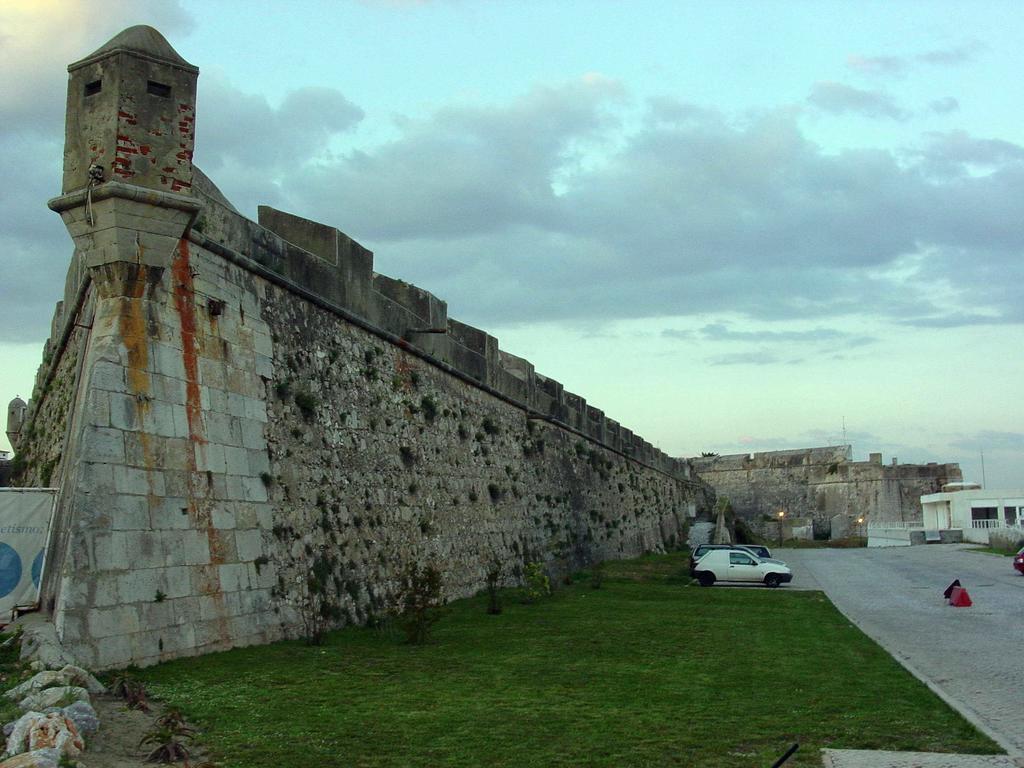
(127, 202)
(16, 411)
(131, 111)
(128, 150)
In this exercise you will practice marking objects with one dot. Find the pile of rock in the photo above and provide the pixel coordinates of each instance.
(58, 714)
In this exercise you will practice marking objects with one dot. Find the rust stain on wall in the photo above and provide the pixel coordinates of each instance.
(198, 503)
(135, 336)
(181, 272)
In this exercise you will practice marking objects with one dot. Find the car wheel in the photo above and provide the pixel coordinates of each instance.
(706, 578)
(772, 580)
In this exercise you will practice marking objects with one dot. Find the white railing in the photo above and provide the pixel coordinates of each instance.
(993, 523)
(899, 524)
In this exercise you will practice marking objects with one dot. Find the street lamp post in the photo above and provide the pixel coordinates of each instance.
(782, 514)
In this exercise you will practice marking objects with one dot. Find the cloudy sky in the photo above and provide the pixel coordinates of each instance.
(734, 226)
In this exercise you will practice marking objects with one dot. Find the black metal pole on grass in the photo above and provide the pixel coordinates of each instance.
(785, 757)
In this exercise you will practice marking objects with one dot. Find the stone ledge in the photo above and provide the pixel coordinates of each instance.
(112, 189)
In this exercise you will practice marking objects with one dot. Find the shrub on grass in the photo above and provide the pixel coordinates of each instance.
(169, 740)
(131, 690)
(537, 583)
(422, 602)
(597, 575)
(493, 580)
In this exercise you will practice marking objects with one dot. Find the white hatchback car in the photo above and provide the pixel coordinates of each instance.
(740, 565)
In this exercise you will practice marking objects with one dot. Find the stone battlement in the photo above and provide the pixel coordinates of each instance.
(327, 265)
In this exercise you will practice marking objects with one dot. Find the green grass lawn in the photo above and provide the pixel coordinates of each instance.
(646, 671)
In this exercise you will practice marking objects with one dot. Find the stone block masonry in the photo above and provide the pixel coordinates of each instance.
(227, 405)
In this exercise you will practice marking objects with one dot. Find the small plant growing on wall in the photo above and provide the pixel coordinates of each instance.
(490, 426)
(307, 403)
(422, 601)
(429, 408)
(46, 471)
(407, 456)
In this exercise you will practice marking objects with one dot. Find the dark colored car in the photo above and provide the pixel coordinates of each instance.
(758, 549)
(1018, 561)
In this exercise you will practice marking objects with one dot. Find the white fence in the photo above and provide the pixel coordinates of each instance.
(991, 524)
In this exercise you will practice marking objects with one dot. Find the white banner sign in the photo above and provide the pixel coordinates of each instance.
(24, 523)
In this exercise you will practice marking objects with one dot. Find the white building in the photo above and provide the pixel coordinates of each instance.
(976, 511)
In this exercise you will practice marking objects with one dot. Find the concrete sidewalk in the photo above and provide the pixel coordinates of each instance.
(863, 758)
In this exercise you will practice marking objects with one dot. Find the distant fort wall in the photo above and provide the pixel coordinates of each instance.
(229, 405)
(819, 483)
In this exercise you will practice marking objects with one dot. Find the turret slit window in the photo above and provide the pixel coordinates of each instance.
(91, 89)
(158, 89)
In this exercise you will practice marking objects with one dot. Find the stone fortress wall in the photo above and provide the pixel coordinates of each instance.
(820, 483)
(227, 404)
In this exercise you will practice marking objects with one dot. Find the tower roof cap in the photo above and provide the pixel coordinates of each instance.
(141, 40)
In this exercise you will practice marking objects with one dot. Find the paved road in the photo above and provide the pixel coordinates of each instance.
(973, 657)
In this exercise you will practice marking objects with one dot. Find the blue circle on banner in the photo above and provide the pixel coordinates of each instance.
(37, 567)
(10, 569)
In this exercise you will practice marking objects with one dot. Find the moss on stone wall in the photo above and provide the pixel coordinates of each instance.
(39, 451)
(381, 459)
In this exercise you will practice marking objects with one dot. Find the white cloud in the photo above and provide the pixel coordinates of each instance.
(841, 99)
(877, 65)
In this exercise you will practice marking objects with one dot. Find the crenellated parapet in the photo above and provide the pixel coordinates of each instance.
(332, 267)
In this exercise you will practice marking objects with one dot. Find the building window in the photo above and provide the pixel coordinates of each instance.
(158, 89)
(984, 513)
(91, 89)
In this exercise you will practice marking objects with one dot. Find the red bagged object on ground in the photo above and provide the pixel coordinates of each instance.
(959, 598)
